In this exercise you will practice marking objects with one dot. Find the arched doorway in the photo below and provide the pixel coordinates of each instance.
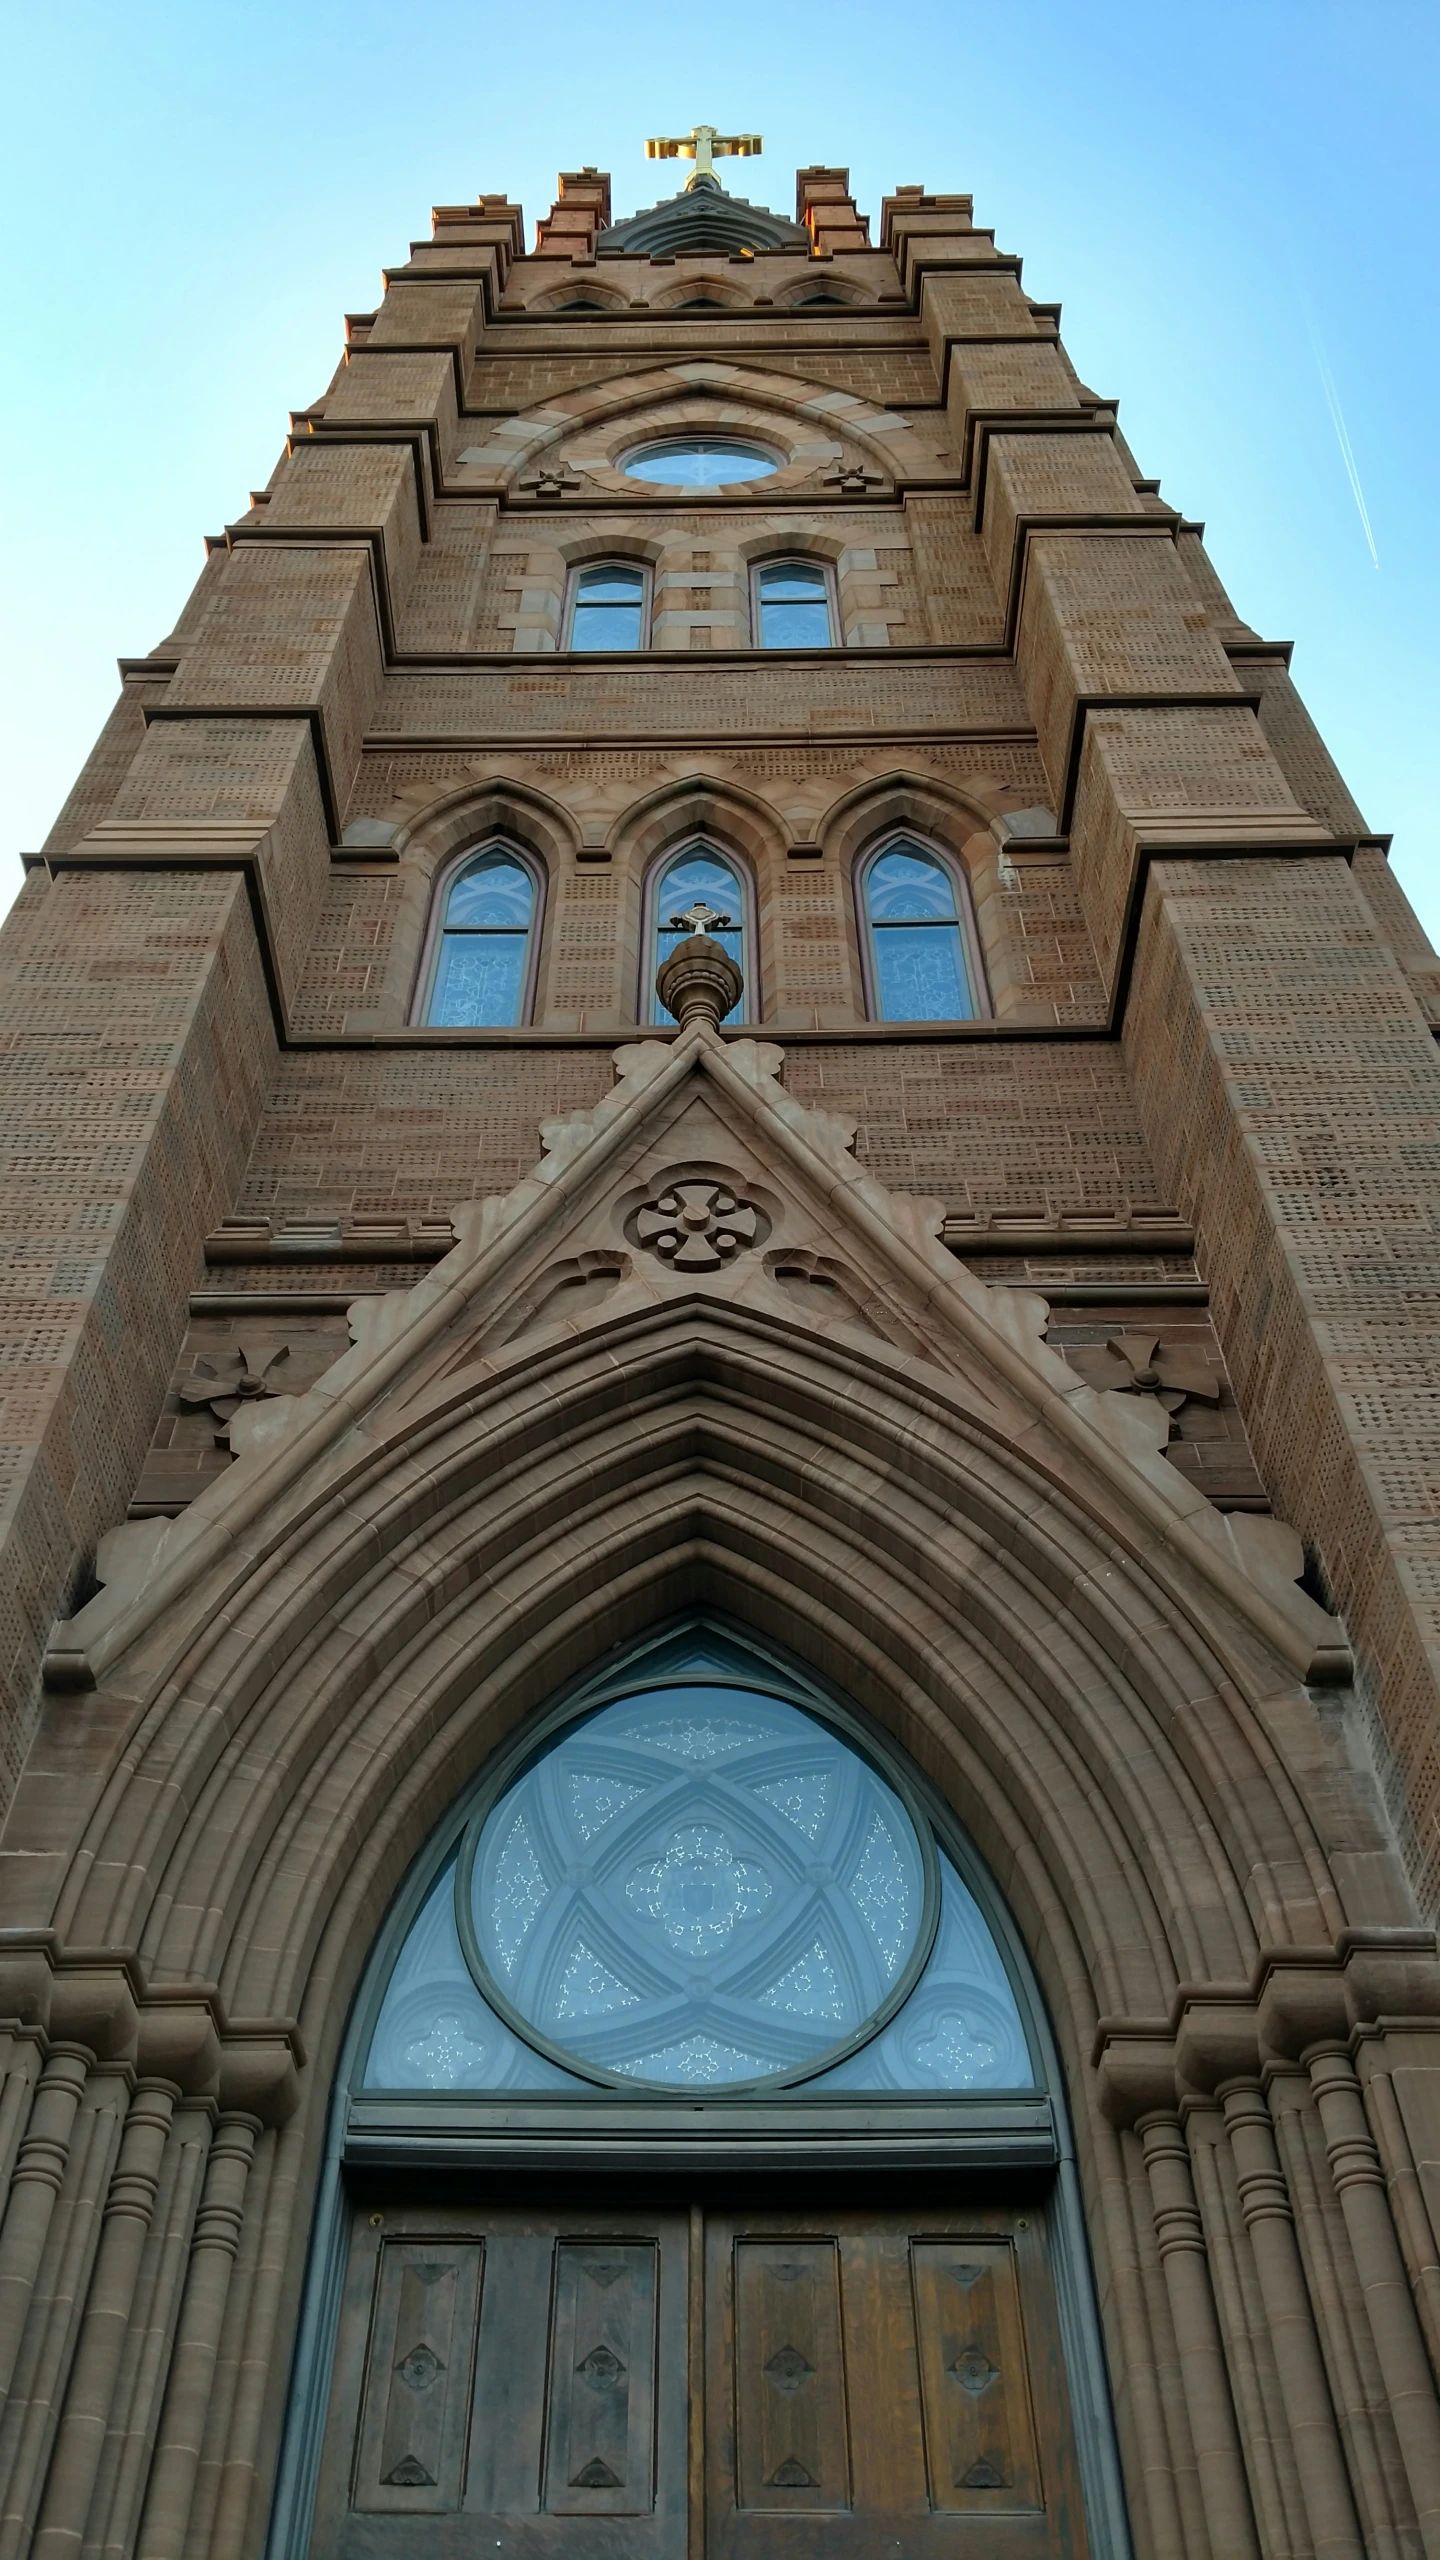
(700, 2177)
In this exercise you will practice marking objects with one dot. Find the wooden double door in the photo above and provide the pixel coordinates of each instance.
(713, 2382)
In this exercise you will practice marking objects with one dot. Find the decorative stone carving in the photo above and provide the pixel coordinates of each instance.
(550, 484)
(1139, 1364)
(699, 982)
(244, 1376)
(696, 1226)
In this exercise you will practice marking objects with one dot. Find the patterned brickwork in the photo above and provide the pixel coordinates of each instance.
(853, 696)
(1030, 477)
(261, 773)
(953, 573)
(1294, 1096)
(1204, 577)
(135, 1051)
(1109, 615)
(986, 379)
(409, 1133)
(367, 487)
(452, 602)
(1006, 1127)
(1399, 925)
(1205, 764)
(1298, 748)
(393, 775)
(106, 766)
(293, 628)
(898, 377)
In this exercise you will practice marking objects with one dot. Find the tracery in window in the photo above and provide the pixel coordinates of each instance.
(480, 968)
(793, 606)
(697, 875)
(919, 969)
(699, 462)
(704, 1884)
(607, 606)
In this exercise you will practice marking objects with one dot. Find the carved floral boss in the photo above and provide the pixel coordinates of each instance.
(242, 1376)
(696, 1226)
(1138, 1364)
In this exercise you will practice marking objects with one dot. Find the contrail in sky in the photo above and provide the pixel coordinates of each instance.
(1347, 453)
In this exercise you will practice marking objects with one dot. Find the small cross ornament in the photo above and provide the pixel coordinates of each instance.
(699, 919)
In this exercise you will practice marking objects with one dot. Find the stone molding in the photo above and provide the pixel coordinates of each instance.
(1027, 1392)
(100, 2000)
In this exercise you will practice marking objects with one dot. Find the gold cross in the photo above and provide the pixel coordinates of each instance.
(702, 144)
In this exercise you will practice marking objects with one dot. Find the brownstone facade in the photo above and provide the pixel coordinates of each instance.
(1171, 1657)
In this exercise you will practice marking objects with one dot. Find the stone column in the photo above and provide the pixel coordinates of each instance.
(1265, 2204)
(39, 2175)
(197, 2339)
(80, 2439)
(1360, 2185)
(1181, 2238)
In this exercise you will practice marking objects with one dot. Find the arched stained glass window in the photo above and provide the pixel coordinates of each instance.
(792, 606)
(702, 875)
(911, 916)
(607, 607)
(480, 971)
(701, 1884)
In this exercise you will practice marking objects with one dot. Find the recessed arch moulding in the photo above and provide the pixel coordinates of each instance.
(698, 1356)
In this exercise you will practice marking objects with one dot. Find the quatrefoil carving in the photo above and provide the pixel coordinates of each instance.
(696, 1226)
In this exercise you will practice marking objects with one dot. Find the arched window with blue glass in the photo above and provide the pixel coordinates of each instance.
(794, 607)
(698, 1922)
(705, 1876)
(480, 964)
(921, 960)
(607, 606)
(699, 875)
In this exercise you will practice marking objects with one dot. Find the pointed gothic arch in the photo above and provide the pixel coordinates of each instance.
(558, 1440)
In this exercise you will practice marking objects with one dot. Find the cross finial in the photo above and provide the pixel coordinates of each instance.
(703, 145)
(699, 919)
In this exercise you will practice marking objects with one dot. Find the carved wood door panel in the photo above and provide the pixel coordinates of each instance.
(512, 2383)
(701, 2384)
(880, 2384)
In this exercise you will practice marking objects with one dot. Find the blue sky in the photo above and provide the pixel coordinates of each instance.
(1230, 198)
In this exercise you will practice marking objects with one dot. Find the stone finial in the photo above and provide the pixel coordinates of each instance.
(699, 982)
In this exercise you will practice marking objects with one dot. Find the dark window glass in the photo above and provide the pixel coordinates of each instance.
(794, 607)
(699, 462)
(699, 873)
(609, 608)
(915, 939)
(482, 966)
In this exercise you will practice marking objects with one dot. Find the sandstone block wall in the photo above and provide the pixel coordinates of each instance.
(1030, 635)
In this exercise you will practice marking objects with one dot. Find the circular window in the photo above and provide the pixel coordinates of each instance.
(699, 1885)
(699, 462)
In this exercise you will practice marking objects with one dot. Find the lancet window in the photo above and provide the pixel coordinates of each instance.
(479, 965)
(918, 938)
(698, 874)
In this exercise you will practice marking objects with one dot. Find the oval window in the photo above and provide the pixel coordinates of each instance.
(699, 462)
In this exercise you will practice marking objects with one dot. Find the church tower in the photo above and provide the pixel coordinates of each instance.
(720, 1547)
